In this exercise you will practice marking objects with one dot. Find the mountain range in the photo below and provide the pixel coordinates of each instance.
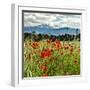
(45, 29)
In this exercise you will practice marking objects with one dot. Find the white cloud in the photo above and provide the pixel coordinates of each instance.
(53, 20)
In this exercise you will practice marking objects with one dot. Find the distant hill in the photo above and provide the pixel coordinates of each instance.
(45, 29)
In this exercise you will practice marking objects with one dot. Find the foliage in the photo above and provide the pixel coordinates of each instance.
(49, 56)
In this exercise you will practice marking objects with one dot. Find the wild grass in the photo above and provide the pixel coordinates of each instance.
(47, 58)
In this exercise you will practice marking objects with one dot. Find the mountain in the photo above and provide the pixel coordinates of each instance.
(45, 29)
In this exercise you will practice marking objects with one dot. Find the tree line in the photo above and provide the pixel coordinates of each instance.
(38, 37)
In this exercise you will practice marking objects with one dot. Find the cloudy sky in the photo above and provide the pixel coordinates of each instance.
(52, 20)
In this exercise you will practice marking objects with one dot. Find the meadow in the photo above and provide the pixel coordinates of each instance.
(45, 58)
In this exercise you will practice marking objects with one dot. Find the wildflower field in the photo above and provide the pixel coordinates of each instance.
(51, 58)
(51, 43)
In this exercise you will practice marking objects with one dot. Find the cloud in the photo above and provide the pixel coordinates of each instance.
(52, 20)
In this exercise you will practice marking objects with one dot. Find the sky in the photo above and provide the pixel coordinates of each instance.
(52, 20)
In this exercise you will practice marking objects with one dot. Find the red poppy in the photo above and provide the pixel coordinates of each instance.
(57, 44)
(46, 53)
(35, 45)
(43, 67)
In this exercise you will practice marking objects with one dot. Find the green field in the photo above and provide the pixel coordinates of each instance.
(46, 58)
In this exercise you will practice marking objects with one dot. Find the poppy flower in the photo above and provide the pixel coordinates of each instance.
(35, 45)
(57, 44)
(43, 68)
(46, 53)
